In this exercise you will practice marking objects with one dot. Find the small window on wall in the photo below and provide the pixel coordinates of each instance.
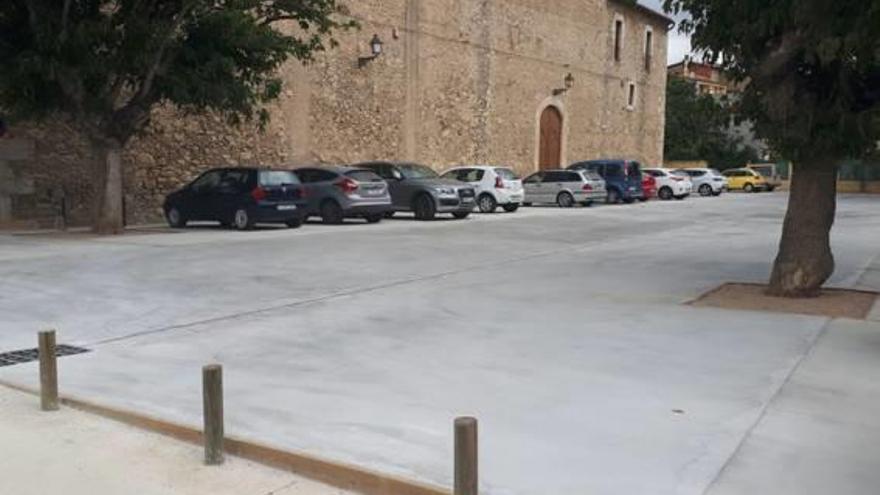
(649, 48)
(631, 96)
(618, 39)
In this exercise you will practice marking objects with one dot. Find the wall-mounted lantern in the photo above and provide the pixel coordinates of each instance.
(567, 84)
(375, 51)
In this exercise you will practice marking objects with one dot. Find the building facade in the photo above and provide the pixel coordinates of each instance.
(525, 83)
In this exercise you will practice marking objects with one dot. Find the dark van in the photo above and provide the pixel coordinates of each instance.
(623, 178)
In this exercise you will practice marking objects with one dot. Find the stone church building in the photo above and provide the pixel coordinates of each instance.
(528, 84)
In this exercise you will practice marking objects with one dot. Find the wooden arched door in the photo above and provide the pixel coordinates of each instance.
(550, 151)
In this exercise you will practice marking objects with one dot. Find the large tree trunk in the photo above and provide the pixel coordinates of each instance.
(109, 214)
(805, 261)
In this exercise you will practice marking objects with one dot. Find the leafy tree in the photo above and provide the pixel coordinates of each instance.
(697, 128)
(812, 69)
(106, 63)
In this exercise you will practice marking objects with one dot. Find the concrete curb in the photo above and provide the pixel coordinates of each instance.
(333, 473)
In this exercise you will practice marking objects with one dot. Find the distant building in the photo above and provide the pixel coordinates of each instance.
(708, 78)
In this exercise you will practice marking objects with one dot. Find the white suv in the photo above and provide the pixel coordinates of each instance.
(495, 186)
(669, 184)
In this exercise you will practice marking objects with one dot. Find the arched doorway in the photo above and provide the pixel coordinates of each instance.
(550, 147)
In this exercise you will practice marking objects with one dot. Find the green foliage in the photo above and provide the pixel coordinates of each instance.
(812, 67)
(697, 128)
(106, 63)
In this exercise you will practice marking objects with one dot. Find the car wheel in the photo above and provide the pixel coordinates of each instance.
(424, 208)
(331, 213)
(294, 223)
(389, 214)
(770, 188)
(511, 207)
(461, 215)
(613, 197)
(665, 193)
(749, 188)
(175, 218)
(487, 203)
(374, 218)
(565, 200)
(242, 220)
(705, 190)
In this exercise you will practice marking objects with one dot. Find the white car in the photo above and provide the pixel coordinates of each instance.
(707, 181)
(669, 184)
(495, 186)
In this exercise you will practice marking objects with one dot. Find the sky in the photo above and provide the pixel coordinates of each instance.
(679, 44)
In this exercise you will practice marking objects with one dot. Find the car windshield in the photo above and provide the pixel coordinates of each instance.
(277, 178)
(416, 171)
(715, 172)
(506, 174)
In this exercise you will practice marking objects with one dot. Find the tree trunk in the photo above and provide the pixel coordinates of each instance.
(805, 260)
(109, 214)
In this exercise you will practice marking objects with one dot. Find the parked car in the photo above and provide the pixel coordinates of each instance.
(649, 187)
(707, 181)
(336, 193)
(495, 186)
(669, 184)
(239, 197)
(623, 178)
(770, 173)
(419, 189)
(745, 179)
(564, 187)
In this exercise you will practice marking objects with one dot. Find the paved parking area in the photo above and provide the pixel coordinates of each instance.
(562, 330)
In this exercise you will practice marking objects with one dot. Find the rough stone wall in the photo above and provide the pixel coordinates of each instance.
(460, 81)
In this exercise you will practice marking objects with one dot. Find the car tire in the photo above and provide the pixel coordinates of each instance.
(716, 193)
(424, 208)
(665, 193)
(705, 190)
(294, 223)
(565, 200)
(511, 207)
(374, 218)
(175, 218)
(331, 213)
(242, 220)
(461, 215)
(771, 188)
(487, 203)
(613, 197)
(749, 187)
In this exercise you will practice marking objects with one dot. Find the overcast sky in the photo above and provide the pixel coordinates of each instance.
(679, 45)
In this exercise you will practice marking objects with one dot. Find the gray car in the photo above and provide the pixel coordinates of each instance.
(564, 187)
(336, 193)
(419, 189)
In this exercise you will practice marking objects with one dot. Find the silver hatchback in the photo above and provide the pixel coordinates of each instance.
(336, 193)
(564, 187)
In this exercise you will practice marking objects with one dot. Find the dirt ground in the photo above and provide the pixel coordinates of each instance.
(833, 303)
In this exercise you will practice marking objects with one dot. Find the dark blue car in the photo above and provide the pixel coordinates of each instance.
(623, 178)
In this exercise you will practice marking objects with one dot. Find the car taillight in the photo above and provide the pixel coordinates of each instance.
(347, 185)
(499, 184)
(259, 194)
(587, 187)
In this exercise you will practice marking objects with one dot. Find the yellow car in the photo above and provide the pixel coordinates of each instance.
(746, 179)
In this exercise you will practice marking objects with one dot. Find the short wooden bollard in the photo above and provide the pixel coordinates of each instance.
(48, 371)
(212, 393)
(466, 477)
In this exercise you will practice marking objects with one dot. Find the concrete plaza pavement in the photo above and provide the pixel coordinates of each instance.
(562, 330)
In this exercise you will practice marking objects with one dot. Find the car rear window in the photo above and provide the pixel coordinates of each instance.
(506, 174)
(277, 178)
(363, 176)
(633, 169)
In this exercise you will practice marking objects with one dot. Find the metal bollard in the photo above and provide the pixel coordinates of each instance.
(48, 371)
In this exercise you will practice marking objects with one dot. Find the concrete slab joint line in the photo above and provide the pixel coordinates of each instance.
(338, 474)
(766, 406)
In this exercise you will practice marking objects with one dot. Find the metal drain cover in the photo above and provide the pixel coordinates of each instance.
(28, 355)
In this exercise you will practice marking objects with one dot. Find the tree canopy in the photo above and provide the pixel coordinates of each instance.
(698, 128)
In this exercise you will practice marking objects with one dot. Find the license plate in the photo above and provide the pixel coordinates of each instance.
(286, 207)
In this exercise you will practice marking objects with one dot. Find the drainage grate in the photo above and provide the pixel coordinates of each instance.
(28, 355)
